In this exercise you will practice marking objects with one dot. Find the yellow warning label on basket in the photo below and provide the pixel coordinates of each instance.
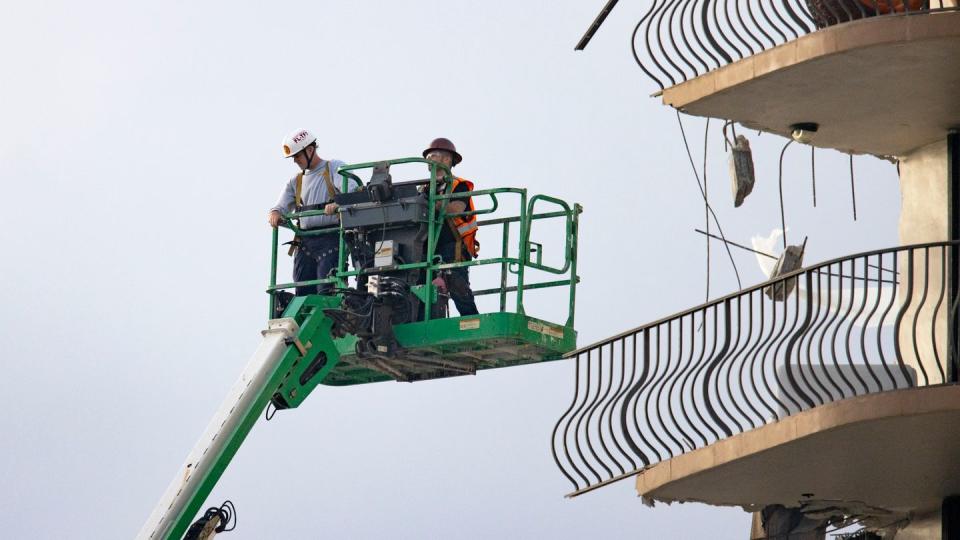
(553, 331)
(470, 324)
(545, 329)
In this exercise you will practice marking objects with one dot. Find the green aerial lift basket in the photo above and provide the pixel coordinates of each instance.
(458, 345)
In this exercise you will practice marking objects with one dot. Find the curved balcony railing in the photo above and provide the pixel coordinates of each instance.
(677, 40)
(861, 324)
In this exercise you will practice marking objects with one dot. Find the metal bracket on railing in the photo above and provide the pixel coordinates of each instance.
(536, 247)
(420, 291)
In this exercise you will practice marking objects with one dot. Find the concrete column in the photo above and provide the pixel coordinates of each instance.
(925, 217)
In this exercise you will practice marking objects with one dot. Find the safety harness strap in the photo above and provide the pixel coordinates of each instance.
(297, 203)
(326, 178)
(298, 191)
(300, 207)
(297, 198)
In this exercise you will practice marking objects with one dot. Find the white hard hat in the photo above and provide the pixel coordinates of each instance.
(297, 141)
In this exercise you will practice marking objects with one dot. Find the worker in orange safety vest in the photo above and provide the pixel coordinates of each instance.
(458, 235)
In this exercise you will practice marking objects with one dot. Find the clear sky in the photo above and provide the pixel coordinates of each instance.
(139, 153)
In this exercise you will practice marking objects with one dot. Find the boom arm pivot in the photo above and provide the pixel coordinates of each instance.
(277, 371)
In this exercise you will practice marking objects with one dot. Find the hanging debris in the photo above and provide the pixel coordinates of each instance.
(741, 170)
(741, 165)
(791, 259)
(777, 521)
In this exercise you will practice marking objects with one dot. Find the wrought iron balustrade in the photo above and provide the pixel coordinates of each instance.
(861, 324)
(677, 40)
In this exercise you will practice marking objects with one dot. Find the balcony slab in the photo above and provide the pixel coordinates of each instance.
(883, 85)
(896, 451)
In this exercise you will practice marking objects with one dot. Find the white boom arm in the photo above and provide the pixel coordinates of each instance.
(227, 421)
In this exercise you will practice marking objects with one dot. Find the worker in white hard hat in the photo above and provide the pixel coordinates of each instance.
(313, 188)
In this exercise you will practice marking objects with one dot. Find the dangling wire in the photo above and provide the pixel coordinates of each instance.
(706, 205)
(267, 413)
(813, 172)
(706, 202)
(853, 191)
(783, 219)
(228, 513)
(727, 143)
(225, 514)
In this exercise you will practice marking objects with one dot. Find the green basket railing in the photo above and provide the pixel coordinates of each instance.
(508, 262)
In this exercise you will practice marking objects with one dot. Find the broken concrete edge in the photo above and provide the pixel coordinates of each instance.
(841, 514)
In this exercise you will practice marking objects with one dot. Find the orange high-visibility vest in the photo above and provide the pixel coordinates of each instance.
(466, 226)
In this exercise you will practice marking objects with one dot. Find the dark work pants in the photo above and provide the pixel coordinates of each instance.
(316, 257)
(458, 282)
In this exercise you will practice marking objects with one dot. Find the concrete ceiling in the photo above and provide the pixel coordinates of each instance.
(893, 450)
(882, 86)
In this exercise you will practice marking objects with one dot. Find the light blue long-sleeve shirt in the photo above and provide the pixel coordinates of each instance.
(314, 191)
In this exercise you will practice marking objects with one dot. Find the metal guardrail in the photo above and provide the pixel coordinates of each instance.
(861, 324)
(513, 258)
(677, 40)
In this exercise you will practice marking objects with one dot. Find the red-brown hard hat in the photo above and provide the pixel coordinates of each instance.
(443, 143)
